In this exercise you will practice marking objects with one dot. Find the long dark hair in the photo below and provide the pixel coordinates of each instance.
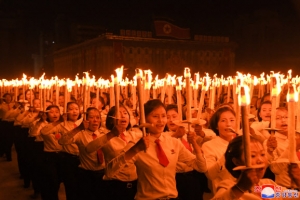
(28, 90)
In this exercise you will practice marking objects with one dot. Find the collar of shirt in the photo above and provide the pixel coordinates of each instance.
(222, 140)
(79, 121)
(161, 138)
(103, 130)
(91, 133)
(281, 136)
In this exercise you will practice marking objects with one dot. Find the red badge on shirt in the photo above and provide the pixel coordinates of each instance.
(57, 136)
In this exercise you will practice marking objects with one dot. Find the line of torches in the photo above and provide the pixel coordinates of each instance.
(240, 88)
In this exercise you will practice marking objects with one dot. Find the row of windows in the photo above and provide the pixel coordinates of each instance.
(133, 50)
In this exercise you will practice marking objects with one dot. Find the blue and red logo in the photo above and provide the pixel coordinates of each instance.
(269, 191)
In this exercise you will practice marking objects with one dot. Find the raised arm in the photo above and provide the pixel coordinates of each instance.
(49, 127)
(101, 141)
(116, 164)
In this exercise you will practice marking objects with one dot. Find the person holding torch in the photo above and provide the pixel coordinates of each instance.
(156, 156)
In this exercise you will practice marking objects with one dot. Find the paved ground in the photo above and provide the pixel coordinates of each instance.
(11, 186)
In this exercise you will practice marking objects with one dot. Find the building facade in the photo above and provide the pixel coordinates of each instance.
(138, 49)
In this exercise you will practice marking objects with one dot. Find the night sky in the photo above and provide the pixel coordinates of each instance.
(276, 45)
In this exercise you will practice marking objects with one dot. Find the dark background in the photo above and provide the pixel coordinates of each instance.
(266, 31)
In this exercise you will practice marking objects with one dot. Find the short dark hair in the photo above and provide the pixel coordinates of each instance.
(53, 106)
(110, 121)
(213, 122)
(172, 107)
(107, 97)
(259, 109)
(264, 96)
(173, 97)
(101, 100)
(70, 103)
(235, 150)
(19, 95)
(7, 94)
(90, 109)
(150, 105)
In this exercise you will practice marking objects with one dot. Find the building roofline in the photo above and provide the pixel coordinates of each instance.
(144, 39)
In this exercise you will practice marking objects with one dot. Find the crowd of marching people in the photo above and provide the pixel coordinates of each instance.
(97, 155)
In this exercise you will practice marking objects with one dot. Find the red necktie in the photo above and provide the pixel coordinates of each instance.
(186, 144)
(298, 154)
(99, 152)
(122, 136)
(163, 160)
(8, 106)
(75, 126)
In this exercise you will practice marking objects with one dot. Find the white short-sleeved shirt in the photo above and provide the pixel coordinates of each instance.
(214, 151)
(88, 161)
(117, 145)
(154, 180)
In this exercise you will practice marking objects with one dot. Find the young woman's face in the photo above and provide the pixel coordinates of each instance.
(94, 104)
(36, 103)
(7, 98)
(265, 112)
(73, 112)
(158, 118)
(167, 101)
(104, 97)
(94, 120)
(226, 121)
(21, 97)
(61, 101)
(124, 118)
(53, 114)
(282, 121)
(258, 157)
(29, 95)
(172, 115)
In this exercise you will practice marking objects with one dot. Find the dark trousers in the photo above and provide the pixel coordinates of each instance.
(91, 185)
(36, 171)
(29, 156)
(69, 164)
(52, 175)
(190, 185)
(20, 138)
(1, 138)
(121, 190)
(8, 138)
